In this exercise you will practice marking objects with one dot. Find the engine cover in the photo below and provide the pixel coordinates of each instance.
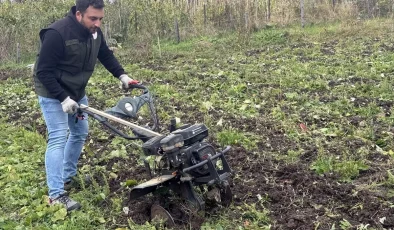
(183, 148)
(193, 133)
(196, 153)
(152, 146)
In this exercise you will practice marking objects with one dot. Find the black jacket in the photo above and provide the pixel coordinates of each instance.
(67, 59)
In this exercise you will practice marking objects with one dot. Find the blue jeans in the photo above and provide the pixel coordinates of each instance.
(65, 142)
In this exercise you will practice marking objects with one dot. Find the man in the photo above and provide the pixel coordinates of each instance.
(69, 50)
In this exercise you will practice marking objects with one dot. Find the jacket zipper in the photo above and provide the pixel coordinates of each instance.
(84, 63)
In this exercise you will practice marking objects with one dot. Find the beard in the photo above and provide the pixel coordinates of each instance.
(92, 29)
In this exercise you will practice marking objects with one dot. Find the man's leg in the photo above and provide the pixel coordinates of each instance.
(57, 125)
(75, 142)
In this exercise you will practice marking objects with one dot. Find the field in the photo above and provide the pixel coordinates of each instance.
(308, 113)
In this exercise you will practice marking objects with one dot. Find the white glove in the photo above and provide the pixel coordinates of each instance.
(125, 80)
(69, 106)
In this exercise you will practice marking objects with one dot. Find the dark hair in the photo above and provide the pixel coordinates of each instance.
(82, 5)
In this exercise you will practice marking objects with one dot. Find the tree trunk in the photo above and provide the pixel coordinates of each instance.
(302, 14)
(369, 8)
(178, 37)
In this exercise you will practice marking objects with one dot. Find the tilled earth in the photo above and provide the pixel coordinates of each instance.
(296, 197)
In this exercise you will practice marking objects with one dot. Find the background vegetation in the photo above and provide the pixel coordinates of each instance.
(142, 24)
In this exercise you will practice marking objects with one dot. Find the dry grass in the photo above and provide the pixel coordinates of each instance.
(5, 44)
(139, 22)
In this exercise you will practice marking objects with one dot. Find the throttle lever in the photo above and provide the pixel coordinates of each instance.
(134, 82)
(79, 115)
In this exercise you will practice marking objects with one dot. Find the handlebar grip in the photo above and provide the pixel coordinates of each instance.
(134, 82)
(136, 86)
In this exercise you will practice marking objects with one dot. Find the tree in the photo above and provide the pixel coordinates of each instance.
(302, 13)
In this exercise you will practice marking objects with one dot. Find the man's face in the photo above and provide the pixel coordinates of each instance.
(91, 18)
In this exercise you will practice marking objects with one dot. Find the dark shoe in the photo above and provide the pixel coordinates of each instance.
(68, 203)
(76, 182)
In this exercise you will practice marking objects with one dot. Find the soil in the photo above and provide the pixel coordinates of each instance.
(6, 73)
(296, 197)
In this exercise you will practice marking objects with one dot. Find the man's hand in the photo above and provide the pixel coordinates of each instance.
(125, 81)
(69, 106)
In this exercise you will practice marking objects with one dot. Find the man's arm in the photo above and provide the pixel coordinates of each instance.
(52, 50)
(108, 59)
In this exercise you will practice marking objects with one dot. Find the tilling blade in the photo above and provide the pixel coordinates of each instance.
(160, 215)
(226, 195)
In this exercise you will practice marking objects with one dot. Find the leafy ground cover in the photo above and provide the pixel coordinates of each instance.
(308, 114)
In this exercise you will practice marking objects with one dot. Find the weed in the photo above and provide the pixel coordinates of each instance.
(233, 137)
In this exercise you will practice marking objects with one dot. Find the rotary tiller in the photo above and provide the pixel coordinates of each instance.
(184, 162)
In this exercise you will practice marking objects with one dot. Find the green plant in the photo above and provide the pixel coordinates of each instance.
(233, 137)
(345, 224)
(347, 169)
(254, 217)
(323, 165)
